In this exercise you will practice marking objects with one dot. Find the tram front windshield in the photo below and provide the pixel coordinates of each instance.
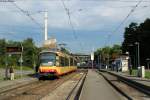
(47, 59)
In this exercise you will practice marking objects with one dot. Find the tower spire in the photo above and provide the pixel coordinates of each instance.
(46, 25)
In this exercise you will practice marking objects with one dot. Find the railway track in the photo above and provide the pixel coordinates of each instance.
(35, 90)
(128, 90)
(75, 92)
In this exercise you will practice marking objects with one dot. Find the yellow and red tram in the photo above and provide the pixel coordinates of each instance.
(56, 63)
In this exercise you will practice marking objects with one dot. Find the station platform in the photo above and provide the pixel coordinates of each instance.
(97, 88)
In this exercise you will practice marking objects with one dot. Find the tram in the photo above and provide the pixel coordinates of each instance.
(56, 63)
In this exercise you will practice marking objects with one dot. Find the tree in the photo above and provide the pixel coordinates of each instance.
(137, 33)
(115, 51)
(108, 54)
(30, 52)
(2, 52)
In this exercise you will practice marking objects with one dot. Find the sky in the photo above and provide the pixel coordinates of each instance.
(93, 21)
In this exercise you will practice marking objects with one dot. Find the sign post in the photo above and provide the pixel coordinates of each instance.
(16, 51)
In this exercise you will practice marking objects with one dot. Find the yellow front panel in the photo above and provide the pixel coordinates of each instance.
(59, 70)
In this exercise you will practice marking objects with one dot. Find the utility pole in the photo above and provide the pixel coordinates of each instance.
(138, 58)
(138, 54)
(21, 59)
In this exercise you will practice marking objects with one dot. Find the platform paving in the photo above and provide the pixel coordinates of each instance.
(97, 88)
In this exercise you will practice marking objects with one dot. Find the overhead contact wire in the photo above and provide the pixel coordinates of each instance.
(70, 22)
(129, 14)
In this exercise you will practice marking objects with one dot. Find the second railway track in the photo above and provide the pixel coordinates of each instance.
(128, 91)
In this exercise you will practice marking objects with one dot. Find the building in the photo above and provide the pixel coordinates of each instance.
(121, 63)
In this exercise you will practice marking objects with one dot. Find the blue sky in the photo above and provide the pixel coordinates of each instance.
(93, 21)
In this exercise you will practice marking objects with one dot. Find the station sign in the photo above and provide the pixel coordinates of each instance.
(13, 50)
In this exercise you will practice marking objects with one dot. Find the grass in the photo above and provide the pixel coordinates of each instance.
(23, 68)
(1, 78)
(147, 73)
(134, 72)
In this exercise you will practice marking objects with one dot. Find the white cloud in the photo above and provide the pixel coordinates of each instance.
(86, 15)
(93, 15)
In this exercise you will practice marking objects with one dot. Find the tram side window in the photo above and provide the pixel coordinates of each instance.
(75, 62)
(71, 61)
(66, 62)
(62, 61)
(57, 61)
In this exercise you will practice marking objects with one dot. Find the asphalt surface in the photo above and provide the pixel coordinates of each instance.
(97, 88)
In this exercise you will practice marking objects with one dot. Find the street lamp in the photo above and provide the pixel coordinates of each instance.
(148, 62)
(137, 46)
(138, 53)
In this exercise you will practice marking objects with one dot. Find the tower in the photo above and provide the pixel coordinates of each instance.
(46, 25)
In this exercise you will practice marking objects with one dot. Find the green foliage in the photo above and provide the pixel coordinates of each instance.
(30, 53)
(108, 53)
(2, 52)
(147, 74)
(137, 33)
